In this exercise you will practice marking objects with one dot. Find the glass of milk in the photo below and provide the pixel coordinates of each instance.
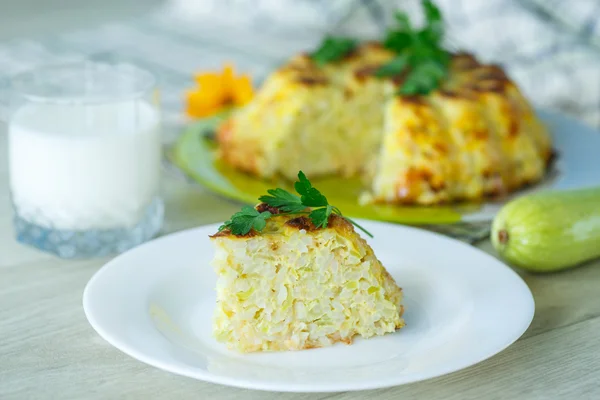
(84, 153)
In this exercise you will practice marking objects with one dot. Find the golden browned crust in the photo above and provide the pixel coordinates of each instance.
(301, 222)
(335, 337)
(227, 233)
(464, 61)
(362, 52)
(304, 222)
(366, 71)
(335, 222)
(244, 156)
(312, 80)
(262, 207)
(401, 314)
(224, 132)
(304, 72)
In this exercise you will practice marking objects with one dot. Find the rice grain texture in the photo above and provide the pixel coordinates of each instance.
(291, 288)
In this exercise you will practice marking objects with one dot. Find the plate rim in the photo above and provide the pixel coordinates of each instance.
(115, 341)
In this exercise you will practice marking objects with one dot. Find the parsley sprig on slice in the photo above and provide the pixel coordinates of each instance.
(309, 201)
(420, 54)
(284, 200)
(333, 49)
(244, 221)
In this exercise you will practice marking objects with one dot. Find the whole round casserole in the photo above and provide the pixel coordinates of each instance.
(473, 137)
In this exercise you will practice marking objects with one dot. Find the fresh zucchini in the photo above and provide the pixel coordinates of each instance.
(549, 231)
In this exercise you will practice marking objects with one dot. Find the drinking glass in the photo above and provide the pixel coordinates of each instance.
(84, 152)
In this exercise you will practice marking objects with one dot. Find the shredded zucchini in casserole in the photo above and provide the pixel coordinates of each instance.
(293, 286)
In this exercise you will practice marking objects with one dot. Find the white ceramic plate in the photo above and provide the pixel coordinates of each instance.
(462, 306)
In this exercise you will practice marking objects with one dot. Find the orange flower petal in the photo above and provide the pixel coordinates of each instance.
(217, 91)
(207, 77)
(242, 91)
(228, 78)
(199, 105)
(203, 112)
(211, 85)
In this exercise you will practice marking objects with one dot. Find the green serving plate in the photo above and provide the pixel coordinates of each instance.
(195, 153)
(576, 144)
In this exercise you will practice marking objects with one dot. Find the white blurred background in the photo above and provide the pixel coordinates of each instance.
(20, 18)
(550, 47)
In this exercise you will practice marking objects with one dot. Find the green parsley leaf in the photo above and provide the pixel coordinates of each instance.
(423, 78)
(398, 41)
(403, 21)
(284, 200)
(249, 218)
(261, 220)
(402, 36)
(333, 49)
(434, 28)
(394, 67)
(434, 69)
(244, 221)
(225, 225)
(419, 51)
(320, 216)
(311, 197)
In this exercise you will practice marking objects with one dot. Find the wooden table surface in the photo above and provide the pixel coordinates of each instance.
(49, 351)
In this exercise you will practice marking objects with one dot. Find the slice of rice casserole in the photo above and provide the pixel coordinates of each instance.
(293, 286)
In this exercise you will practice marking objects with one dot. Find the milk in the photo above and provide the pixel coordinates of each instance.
(84, 166)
